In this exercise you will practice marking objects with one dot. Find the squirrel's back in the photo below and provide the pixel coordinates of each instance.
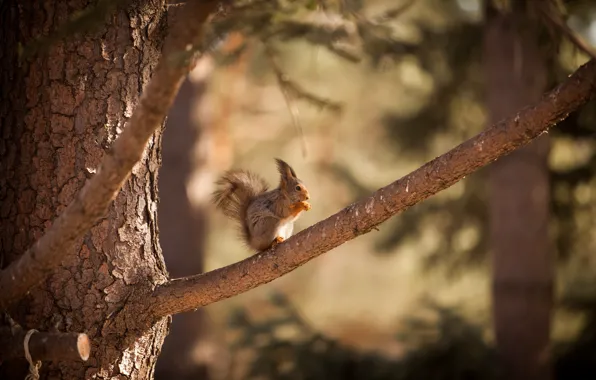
(235, 191)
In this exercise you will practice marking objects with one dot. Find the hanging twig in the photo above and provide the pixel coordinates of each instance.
(296, 90)
(292, 91)
(292, 107)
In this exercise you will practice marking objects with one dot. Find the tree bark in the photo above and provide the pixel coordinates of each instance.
(519, 203)
(73, 102)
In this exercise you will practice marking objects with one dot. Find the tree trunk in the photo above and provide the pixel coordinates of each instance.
(519, 203)
(60, 112)
(183, 227)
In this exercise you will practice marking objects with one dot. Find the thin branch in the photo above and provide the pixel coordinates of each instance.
(553, 16)
(293, 89)
(91, 203)
(284, 86)
(53, 346)
(185, 294)
(394, 13)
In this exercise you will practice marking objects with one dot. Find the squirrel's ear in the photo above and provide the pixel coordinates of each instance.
(285, 170)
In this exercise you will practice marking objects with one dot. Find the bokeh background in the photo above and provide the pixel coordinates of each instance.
(411, 300)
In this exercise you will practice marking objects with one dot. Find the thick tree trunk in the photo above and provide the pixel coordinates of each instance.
(519, 203)
(72, 103)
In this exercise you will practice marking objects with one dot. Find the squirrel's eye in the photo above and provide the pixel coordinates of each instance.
(298, 188)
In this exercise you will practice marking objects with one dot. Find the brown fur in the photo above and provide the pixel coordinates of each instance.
(262, 215)
(236, 190)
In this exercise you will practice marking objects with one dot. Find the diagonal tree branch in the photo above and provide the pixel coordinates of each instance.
(190, 293)
(93, 200)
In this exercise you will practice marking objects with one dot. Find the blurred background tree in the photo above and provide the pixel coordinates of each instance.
(522, 281)
(355, 94)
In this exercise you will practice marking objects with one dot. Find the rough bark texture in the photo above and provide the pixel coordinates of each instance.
(519, 203)
(75, 101)
(92, 202)
(189, 293)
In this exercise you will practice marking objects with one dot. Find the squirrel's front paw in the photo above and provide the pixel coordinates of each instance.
(305, 205)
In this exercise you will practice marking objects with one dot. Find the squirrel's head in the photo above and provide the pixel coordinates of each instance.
(290, 184)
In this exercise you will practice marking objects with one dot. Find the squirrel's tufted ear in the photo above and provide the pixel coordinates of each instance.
(285, 170)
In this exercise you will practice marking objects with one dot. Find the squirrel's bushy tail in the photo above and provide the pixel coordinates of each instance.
(235, 190)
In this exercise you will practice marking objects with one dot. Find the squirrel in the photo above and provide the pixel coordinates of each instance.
(265, 217)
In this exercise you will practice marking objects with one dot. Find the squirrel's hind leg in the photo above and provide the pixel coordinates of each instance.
(277, 240)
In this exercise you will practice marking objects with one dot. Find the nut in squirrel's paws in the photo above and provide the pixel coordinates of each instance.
(305, 205)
